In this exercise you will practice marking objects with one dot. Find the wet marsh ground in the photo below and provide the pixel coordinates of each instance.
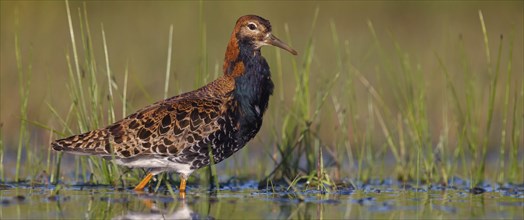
(381, 199)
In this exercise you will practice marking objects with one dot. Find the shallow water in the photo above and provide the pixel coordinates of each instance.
(246, 201)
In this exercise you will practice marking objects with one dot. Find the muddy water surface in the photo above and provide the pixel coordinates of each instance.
(248, 202)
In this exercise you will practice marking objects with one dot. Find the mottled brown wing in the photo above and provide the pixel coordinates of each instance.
(164, 128)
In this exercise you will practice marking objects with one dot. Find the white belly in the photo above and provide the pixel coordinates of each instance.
(158, 165)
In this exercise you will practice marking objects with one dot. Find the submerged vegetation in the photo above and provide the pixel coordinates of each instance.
(376, 115)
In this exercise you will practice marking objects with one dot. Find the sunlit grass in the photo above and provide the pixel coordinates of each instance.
(387, 118)
(2, 171)
(90, 107)
(24, 80)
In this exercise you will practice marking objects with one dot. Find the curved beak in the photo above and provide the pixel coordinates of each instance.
(272, 40)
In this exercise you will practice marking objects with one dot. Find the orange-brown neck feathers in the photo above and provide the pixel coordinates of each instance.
(233, 66)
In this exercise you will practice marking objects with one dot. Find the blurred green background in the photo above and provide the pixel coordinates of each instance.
(137, 38)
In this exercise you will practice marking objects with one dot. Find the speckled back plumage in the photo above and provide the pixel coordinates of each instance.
(223, 115)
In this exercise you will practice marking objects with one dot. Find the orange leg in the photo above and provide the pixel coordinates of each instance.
(182, 188)
(182, 185)
(143, 183)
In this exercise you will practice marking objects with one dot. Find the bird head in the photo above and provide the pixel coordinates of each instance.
(256, 31)
(251, 32)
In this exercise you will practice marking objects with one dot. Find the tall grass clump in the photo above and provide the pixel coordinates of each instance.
(397, 104)
(350, 142)
(299, 140)
(505, 114)
(2, 171)
(515, 133)
(475, 117)
(24, 82)
(516, 136)
(493, 78)
(91, 105)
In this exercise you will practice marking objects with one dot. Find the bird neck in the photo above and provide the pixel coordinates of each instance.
(239, 52)
(253, 87)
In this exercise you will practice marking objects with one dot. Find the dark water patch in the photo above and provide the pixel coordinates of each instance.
(516, 191)
(371, 189)
(344, 191)
(57, 198)
(421, 189)
(437, 187)
(365, 201)
(477, 190)
(19, 198)
(5, 186)
(13, 200)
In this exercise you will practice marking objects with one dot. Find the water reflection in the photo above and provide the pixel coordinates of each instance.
(161, 207)
(181, 212)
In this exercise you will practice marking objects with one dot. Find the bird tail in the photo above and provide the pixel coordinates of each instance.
(90, 143)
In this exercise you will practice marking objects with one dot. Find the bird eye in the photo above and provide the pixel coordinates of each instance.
(252, 26)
